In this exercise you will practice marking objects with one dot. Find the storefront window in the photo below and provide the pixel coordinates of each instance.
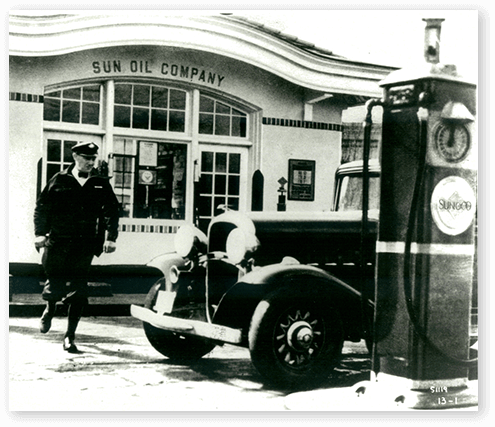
(217, 118)
(80, 105)
(150, 178)
(149, 107)
(149, 173)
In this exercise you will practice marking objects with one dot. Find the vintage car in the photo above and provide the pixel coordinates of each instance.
(290, 286)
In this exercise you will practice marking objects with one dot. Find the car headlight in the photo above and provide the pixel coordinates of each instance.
(190, 241)
(240, 245)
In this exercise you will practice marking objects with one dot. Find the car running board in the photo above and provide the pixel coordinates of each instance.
(188, 326)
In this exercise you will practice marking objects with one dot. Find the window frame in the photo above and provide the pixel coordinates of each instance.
(107, 134)
(216, 114)
(150, 108)
(81, 101)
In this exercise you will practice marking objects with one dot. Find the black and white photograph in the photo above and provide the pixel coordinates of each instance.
(269, 211)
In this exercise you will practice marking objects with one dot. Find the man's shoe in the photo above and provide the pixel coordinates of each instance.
(69, 345)
(46, 321)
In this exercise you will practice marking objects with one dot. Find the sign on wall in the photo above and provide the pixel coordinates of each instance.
(302, 180)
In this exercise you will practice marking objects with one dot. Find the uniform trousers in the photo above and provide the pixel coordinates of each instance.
(66, 265)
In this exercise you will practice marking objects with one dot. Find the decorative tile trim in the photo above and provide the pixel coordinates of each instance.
(271, 121)
(139, 228)
(25, 97)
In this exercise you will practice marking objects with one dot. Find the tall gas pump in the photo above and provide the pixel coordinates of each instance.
(425, 247)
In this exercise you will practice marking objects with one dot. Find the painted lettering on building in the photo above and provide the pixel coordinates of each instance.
(181, 71)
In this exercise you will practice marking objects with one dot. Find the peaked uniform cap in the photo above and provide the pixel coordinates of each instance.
(87, 148)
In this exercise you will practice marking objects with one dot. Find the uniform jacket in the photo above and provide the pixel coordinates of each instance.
(65, 211)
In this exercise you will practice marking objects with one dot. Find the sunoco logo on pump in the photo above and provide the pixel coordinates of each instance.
(453, 205)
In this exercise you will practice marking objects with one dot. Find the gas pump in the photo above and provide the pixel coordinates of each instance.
(425, 247)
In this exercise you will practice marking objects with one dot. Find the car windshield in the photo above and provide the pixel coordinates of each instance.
(351, 189)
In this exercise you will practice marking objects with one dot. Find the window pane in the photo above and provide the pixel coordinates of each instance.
(140, 118)
(177, 121)
(141, 96)
(123, 94)
(127, 180)
(238, 126)
(206, 104)
(222, 108)
(130, 147)
(177, 99)
(91, 93)
(90, 113)
(125, 202)
(205, 124)
(70, 112)
(159, 97)
(233, 203)
(122, 116)
(221, 162)
(118, 176)
(234, 163)
(159, 119)
(206, 184)
(207, 161)
(204, 208)
(74, 93)
(68, 151)
(219, 201)
(54, 94)
(222, 125)
(118, 146)
(128, 164)
(238, 113)
(233, 185)
(51, 109)
(54, 150)
(51, 170)
(220, 184)
(165, 199)
(118, 164)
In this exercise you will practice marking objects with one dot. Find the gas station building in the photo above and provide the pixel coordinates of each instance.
(192, 113)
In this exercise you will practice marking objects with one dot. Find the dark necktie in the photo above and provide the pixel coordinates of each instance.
(82, 174)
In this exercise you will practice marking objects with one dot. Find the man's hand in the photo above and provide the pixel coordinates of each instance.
(109, 247)
(40, 242)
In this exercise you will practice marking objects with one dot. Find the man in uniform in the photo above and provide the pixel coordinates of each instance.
(76, 217)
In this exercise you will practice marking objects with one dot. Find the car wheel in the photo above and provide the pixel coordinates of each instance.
(295, 342)
(179, 347)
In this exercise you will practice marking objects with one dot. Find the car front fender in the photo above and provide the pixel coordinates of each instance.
(165, 261)
(238, 304)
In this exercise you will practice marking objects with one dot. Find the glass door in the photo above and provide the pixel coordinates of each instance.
(222, 183)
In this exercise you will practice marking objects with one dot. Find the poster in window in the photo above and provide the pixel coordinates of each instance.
(148, 153)
(147, 177)
(302, 180)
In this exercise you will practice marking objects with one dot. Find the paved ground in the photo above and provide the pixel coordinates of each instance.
(118, 370)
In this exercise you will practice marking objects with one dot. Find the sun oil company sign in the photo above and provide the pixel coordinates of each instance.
(453, 205)
(168, 69)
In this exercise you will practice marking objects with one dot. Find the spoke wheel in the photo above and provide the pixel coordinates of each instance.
(294, 342)
(298, 337)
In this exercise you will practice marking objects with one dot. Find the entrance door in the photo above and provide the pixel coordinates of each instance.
(223, 182)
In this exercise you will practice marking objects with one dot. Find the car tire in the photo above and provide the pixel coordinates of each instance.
(180, 348)
(295, 341)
